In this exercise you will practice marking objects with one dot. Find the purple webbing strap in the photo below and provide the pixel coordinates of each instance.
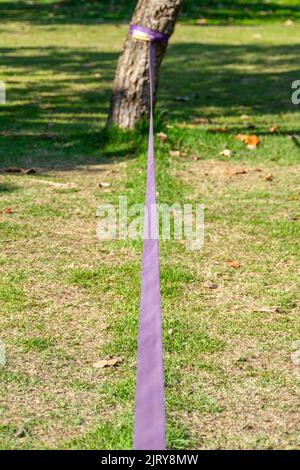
(149, 423)
(152, 35)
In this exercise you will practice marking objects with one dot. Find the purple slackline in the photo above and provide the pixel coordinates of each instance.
(153, 35)
(149, 422)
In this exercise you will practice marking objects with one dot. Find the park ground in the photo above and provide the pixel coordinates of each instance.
(68, 301)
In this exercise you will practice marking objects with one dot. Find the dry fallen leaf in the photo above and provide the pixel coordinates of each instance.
(289, 23)
(107, 362)
(103, 184)
(7, 210)
(218, 129)
(226, 153)
(161, 136)
(201, 121)
(174, 153)
(233, 264)
(240, 137)
(55, 184)
(195, 157)
(267, 310)
(252, 141)
(21, 432)
(210, 286)
(269, 177)
(201, 21)
(239, 171)
(273, 129)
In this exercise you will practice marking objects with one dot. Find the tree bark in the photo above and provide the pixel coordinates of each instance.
(130, 97)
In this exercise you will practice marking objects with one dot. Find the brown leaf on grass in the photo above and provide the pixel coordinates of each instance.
(107, 363)
(288, 23)
(273, 129)
(239, 171)
(211, 286)
(252, 141)
(7, 210)
(21, 432)
(251, 146)
(175, 153)
(267, 310)
(201, 121)
(103, 184)
(195, 157)
(162, 137)
(55, 184)
(226, 153)
(201, 22)
(269, 177)
(240, 137)
(233, 264)
(216, 130)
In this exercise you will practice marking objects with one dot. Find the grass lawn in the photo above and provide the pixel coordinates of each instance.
(68, 300)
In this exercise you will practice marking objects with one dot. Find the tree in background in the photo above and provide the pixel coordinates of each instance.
(130, 96)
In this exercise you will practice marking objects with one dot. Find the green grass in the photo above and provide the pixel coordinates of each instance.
(68, 300)
(112, 11)
(37, 344)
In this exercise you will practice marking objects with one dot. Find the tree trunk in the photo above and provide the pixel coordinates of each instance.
(130, 96)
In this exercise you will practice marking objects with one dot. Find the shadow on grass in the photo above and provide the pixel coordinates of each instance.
(56, 121)
(98, 11)
(67, 11)
(241, 11)
(227, 80)
(7, 188)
